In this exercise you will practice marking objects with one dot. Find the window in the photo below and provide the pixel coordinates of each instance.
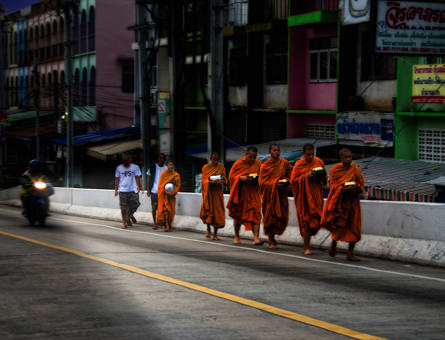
(83, 87)
(323, 60)
(55, 26)
(91, 29)
(76, 84)
(55, 51)
(375, 66)
(48, 29)
(238, 66)
(127, 72)
(83, 32)
(238, 12)
(325, 131)
(431, 145)
(75, 34)
(92, 87)
(277, 62)
(42, 31)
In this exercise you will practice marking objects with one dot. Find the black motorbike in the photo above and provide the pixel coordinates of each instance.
(36, 201)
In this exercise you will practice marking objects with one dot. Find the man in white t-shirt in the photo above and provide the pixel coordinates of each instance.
(153, 173)
(128, 183)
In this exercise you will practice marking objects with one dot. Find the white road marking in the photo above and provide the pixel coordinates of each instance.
(257, 250)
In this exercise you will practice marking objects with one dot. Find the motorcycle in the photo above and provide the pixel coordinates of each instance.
(36, 201)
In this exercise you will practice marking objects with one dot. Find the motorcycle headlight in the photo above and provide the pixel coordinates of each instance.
(40, 185)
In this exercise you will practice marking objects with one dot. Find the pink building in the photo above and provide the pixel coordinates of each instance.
(312, 91)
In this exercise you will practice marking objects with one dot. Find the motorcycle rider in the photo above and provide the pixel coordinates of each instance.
(28, 178)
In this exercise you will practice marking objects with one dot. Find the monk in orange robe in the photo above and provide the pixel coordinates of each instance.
(245, 201)
(167, 198)
(341, 214)
(307, 188)
(274, 184)
(212, 207)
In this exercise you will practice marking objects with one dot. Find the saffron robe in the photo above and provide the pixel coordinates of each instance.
(167, 204)
(212, 207)
(274, 199)
(341, 213)
(308, 195)
(245, 201)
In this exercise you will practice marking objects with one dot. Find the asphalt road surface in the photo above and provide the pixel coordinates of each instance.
(80, 278)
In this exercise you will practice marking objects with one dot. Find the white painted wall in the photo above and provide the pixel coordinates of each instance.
(238, 95)
(275, 96)
(406, 231)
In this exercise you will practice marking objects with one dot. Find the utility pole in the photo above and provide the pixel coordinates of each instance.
(144, 95)
(36, 93)
(3, 93)
(69, 96)
(217, 75)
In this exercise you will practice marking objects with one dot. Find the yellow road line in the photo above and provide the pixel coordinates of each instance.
(247, 302)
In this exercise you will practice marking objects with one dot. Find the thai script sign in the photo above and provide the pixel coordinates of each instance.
(410, 27)
(429, 84)
(370, 128)
(355, 11)
(164, 122)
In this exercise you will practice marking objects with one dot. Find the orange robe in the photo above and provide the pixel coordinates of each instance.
(212, 207)
(245, 201)
(308, 195)
(167, 204)
(275, 201)
(341, 214)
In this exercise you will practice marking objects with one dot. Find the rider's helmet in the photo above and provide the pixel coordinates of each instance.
(34, 166)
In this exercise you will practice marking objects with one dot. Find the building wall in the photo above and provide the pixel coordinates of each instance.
(275, 96)
(304, 95)
(378, 95)
(113, 46)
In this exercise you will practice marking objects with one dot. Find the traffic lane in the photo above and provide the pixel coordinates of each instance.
(335, 294)
(49, 294)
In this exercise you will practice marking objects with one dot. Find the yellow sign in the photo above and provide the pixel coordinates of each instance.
(429, 84)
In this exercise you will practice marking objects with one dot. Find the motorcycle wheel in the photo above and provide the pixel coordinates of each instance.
(31, 221)
(42, 222)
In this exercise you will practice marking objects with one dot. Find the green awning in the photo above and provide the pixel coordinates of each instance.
(84, 113)
(16, 117)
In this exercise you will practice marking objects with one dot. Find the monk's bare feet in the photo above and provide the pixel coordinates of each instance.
(216, 238)
(352, 258)
(124, 225)
(332, 249)
(258, 242)
(307, 252)
(273, 246)
(167, 229)
(236, 240)
(207, 234)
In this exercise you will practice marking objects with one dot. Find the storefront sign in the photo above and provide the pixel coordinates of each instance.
(429, 84)
(410, 27)
(355, 11)
(371, 128)
(164, 122)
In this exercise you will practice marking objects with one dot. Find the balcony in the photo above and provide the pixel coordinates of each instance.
(313, 12)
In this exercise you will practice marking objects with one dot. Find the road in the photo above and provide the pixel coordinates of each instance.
(80, 278)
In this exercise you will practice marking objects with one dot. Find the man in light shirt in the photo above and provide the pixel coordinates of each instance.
(128, 183)
(153, 173)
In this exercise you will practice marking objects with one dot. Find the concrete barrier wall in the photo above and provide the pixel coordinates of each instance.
(406, 231)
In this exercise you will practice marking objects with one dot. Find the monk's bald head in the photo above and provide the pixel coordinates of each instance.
(308, 152)
(251, 154)
(345, 156)
(214, 157)
(274, 151)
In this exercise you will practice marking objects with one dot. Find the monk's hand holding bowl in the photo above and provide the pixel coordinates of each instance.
(244, 178)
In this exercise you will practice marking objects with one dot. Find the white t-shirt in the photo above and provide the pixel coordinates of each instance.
(127, 180)
(159, 171)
